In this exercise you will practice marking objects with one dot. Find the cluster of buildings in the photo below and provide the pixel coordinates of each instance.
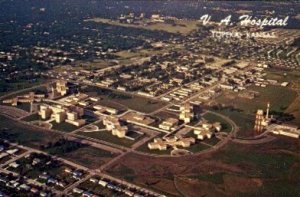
(207, 130)
(118, 188)
(61, 89)
(48, 56)
(114, 125)
(261, 120)
(26, 98)
(263, 123)
(187, 113)
(286, 130)
(131, 18)
(138, 119)
(169, 124)
(70, 114)
(10, 182)
(163, 144)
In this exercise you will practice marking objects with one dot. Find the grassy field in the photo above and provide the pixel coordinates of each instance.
(267, 164)
(216, 178)
(138, 103)
(226, 127)
(197, 147)
(64, 126)
(16, 132)
(107, 136)
(126, 54)
(124, 100)
(182, 27)
(89, 156)
(244, 121)
(32, 117)
(23, 84)
(294, 109)
(270, 169)
(279, 97)
(93, 65)
(280, 76)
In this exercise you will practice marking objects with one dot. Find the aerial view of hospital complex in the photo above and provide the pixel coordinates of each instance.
(102, 98)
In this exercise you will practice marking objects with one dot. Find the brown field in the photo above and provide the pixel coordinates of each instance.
(294, 109)
(243, 170)
(89, 157)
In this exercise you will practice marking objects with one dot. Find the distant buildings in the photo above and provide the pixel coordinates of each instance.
(114, 125)
(157, 18)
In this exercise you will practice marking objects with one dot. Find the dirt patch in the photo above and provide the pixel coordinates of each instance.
(159, 184)
(234, 183)
(196, 188)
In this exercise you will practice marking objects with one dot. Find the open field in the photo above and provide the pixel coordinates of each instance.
(281, 76)
(107, 136)
(279, 97)
(235, 170)
(64, 126)
(126, 54)
(17, 132)
(89, 156)
(23, 84)
(137, 103)
(294, 109)
(244, 121)
(32, 117)
(197, 147)
(226, 127)
(180, 26)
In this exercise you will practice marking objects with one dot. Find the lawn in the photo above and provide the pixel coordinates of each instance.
(19, 85)
(32, 117)
(108, 137)
(245, 122)
(122, 100)
(216, 178)
(64, 126)
(279, 97)
(280, 76)
(226, 127)
(17, 132)
(266, 164)
(89, 156)
(197, 147)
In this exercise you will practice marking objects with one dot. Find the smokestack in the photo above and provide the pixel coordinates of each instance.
(268, 108)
